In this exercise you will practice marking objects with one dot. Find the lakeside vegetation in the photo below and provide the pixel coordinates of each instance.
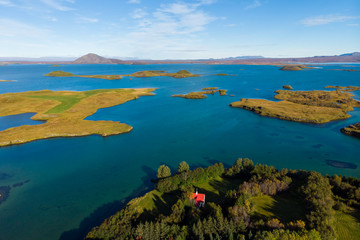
(64, 113)
(141, 74)
(303, 106)
(245, 201)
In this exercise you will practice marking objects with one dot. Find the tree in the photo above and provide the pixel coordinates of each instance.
(163, 171)
(183, 166)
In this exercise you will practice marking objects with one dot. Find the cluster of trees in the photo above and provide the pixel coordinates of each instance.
(233, 217)
(319, 200)
(185, 179)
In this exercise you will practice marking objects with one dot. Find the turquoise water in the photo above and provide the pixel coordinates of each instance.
(74, 183)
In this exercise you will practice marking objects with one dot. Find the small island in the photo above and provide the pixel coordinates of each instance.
(293, 67)
(244, 200)
(67, 74)
(64, 113)
(303, 106)
(7, 81)
(342, 88)
(201, 95)
(352, 130)
(288, 87)
(179, 74)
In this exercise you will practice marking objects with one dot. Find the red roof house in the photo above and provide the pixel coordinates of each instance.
(199, 199)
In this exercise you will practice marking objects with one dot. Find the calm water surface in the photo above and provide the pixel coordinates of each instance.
(74, 183)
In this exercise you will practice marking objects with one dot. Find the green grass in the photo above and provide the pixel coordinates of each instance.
(66, 102)
(347, 226)
(59, 74)
(284, 207)
(215, 189)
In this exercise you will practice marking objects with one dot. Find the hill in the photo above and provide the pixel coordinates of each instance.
(92, 58)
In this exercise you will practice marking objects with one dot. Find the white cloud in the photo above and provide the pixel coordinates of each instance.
(322, 20)
(88, 20)
(6, 3)
(12, 28)
(174, 27)
(354, 24)
(254, 4)
(134, 1)
(58, 4)
(138, 13)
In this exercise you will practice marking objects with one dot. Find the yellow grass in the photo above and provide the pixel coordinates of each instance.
(64, 113)
(303, 106)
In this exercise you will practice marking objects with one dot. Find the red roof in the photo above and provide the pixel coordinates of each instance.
(199, 197)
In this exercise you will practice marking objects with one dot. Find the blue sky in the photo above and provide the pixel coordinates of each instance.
(167, 29)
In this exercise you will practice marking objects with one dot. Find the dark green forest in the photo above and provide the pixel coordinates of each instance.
(245, 201)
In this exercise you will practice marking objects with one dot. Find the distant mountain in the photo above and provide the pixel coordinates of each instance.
(40, 59)
(92, 58)
(242, 57)
(354, 54)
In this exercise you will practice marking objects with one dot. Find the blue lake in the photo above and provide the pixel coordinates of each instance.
(72, 184)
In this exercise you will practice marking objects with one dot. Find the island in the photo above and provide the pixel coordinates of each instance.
(64, 113)
(293, 67)
(342, 88)
(67, 74)
(7, 81)
(244, 201)
(288, 87)
(202, 94)
(352, 130)
(303, 106)
(141, 74)
(179, 74)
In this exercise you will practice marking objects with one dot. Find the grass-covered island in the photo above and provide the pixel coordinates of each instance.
(303, 106)
(179, 74)
(141, 74)
(64, 113)
(68, 74)
(352, 130)
(293, 67)
(202, 94)
(246, 201)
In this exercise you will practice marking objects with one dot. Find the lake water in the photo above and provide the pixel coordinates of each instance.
(72, 184)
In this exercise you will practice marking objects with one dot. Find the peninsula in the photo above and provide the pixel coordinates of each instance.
(303, 106)
(245, 201)
(64, 113)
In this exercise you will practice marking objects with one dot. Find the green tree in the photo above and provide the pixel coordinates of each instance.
(163, 171)
(183, 166)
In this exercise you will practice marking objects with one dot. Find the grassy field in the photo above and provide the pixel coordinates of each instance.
(64, 113)
(284, 207)
(347, 225)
